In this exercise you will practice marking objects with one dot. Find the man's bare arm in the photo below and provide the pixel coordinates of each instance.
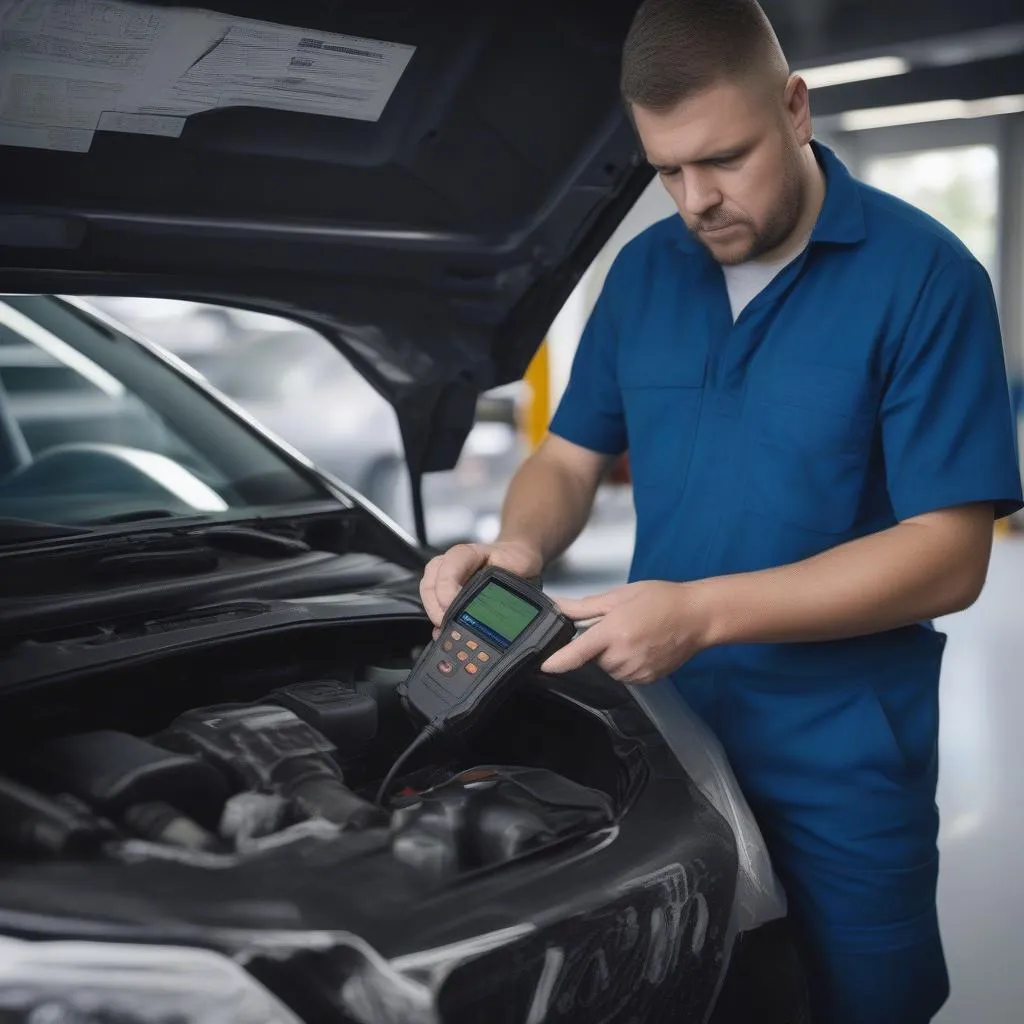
(545, 508)
(549, 499)
(925, 567)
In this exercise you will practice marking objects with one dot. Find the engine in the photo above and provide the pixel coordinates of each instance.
(230, 780)
(220, 793)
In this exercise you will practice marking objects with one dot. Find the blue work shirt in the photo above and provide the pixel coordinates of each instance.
(865, 385)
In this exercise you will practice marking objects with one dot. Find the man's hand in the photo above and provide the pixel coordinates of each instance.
(645, 630)
(445, 575)
(931, 565)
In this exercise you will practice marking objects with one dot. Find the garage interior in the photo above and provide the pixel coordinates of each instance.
(926, 100)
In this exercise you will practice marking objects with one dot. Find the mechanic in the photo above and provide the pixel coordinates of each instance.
(808, 376)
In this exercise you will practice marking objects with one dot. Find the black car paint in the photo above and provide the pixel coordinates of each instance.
(639, 912)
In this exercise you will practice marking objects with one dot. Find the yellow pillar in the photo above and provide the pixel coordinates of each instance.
(538, 404)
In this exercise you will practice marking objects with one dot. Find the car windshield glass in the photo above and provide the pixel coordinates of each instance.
(95, 427)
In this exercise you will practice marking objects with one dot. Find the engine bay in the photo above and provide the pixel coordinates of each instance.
(217, 787)
(217, 754)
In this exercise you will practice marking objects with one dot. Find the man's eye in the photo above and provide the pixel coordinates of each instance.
(669, 172)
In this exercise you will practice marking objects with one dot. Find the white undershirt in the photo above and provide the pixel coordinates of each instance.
(745, 281)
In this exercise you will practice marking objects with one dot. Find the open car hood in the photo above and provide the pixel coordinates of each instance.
(428, 207)
(433, 245)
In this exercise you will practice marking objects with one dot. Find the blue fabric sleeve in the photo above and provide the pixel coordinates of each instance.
(590, 412)
(946, 419)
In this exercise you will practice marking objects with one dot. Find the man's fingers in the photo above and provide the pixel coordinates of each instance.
(456, 567)
(583, 608)
(428, 590)
(443, 578)
(445, 575)
(586, 647)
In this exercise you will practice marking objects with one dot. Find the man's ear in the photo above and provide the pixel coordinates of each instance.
(797, 102)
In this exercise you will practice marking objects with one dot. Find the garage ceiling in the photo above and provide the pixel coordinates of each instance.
(496, 171)
(955, 49)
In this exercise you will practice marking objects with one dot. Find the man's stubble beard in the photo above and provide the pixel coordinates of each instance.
(780, 224)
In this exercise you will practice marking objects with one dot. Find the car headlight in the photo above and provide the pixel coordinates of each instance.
(98, 982)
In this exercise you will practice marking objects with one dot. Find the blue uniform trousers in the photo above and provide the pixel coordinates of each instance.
(851, 825)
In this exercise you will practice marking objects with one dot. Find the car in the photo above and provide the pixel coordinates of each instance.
(204, 636)
(197, 573)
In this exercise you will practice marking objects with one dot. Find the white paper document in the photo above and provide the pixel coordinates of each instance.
(95, 36)
(71, 140)
(66, 63)
(71, 67)
(141, 124)
(290, 69)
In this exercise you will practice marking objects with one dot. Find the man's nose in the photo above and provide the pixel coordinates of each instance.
(700, 193)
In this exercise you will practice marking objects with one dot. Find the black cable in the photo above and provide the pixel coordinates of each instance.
(429, 732)
(418, 514)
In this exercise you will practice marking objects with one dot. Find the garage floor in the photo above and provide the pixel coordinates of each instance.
(981, 897)
(981, 785)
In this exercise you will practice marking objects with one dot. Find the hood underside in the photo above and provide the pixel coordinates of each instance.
(434, 245)
(424, 182)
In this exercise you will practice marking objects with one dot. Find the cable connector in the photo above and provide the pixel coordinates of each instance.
(429, 731)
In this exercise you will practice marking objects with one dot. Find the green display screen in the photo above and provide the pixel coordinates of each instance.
(501, 614)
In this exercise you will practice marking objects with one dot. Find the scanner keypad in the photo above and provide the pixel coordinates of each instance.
(472, 655)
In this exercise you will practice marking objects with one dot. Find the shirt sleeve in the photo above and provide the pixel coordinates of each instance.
(590, 412)
(946, 419)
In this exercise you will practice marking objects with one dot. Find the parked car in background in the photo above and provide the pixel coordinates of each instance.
(300, 387)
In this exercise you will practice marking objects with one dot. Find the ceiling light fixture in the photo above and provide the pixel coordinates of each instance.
(853, 71)
(936, 110)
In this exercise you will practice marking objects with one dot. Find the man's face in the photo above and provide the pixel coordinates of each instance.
(730, 158)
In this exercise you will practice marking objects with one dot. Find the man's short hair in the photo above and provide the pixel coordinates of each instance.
(676, 48)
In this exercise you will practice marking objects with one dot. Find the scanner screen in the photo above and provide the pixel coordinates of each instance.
(499, 614)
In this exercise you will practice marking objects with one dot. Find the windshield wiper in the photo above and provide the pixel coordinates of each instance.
(135, 516)
(14, 530)
(188, 548)
(239, 538)
(249, 540)
(182, 561)
(196, 551)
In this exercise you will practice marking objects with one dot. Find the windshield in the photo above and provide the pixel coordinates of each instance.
(94, 427)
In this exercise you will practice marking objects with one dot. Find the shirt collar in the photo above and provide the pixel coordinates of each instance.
(841, 219)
